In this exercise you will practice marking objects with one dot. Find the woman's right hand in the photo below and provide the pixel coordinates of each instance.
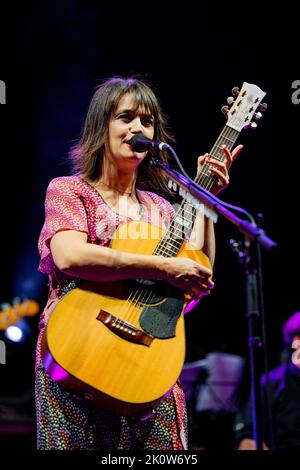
(188, 275)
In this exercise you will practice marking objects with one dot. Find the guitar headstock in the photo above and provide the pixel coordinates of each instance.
(10, 314)
(243, 107)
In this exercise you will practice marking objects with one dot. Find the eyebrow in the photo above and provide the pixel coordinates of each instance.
(131, 111)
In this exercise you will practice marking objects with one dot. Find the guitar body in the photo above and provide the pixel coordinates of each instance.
(95, 344)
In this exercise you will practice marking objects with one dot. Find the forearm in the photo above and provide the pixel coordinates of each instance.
(74, 256)
(97, 263)
(209, 246)
(203, 236)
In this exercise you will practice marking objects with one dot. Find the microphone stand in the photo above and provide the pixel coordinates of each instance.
(252, 234)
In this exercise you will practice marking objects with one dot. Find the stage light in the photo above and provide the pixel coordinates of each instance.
(14, 333)
(19, 332)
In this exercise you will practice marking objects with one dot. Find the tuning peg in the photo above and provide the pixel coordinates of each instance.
(257, 116)
(263, 107)
(224, 109)
(252, 125)
(235, 91)
(230, 100)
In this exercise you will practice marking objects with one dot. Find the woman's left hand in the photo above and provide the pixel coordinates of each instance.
(220, 168)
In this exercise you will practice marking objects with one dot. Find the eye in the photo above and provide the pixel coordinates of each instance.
(125, 117)
(147, 121)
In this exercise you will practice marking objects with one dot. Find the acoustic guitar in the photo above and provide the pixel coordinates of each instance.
(122, 344)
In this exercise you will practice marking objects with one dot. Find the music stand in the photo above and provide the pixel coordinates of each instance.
(224, 375)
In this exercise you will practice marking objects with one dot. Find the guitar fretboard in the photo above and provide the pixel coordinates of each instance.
(181, 227)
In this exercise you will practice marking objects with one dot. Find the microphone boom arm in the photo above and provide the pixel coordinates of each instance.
(250, 230)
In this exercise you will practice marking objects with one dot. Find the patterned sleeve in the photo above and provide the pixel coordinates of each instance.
(64, 210)
(166, 209)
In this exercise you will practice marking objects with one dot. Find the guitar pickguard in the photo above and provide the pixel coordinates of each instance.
(159, 317)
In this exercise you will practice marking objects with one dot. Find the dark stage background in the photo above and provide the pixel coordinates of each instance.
(193, 56)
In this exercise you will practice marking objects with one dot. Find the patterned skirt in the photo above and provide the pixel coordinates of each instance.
(68, 422)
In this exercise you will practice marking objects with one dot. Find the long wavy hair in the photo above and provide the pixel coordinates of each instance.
(87, 155)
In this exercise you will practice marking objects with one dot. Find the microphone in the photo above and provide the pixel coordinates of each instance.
(140, 143)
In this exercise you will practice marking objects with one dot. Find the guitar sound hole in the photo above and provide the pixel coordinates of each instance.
(151, 291)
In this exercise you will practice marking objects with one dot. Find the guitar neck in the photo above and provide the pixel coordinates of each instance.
(227, 137)
(182, 225)
(238, 117)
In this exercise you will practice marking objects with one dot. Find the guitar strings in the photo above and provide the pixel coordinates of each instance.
(144, 296)
(140, 296)
(205, 179)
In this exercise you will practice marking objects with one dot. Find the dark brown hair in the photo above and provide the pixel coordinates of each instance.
(87, 155)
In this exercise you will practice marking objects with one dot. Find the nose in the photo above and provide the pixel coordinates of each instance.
(136, 125)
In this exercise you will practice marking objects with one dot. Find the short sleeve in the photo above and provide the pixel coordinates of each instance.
(166, 209)
(168, 212)
(64, 210)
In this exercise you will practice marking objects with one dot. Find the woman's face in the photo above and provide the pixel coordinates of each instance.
(124, 124)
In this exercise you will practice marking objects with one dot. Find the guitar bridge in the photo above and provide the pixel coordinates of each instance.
(123, 329)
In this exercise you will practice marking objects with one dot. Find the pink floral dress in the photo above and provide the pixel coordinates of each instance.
(64, 420)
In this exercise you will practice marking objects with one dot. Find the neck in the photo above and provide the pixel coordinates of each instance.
(122, 184)
(118, 189)
(115, 178)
